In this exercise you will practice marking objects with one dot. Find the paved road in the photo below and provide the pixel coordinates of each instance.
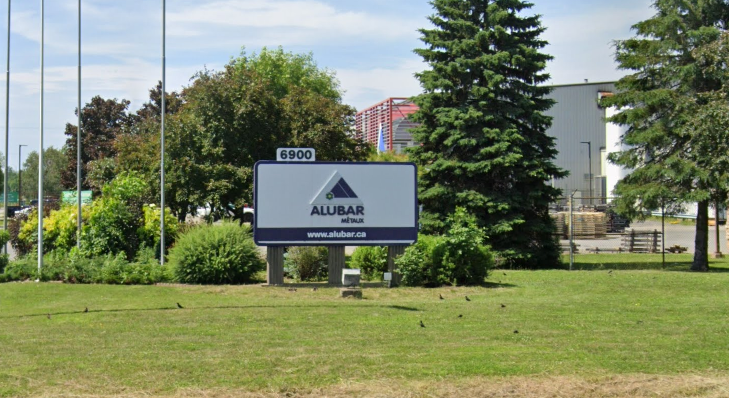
(682, 235)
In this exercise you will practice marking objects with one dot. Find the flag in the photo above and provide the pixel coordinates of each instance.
(380, 141)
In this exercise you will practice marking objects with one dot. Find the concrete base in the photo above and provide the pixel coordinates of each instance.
(717, 255)
(353, 292)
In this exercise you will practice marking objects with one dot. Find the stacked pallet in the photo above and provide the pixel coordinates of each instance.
(560, 222)
(589, 225)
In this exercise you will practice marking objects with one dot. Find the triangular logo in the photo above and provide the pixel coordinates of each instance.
(336, 192)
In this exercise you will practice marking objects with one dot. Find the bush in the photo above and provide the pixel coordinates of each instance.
(464, 257)
(460, 257)
(73, 267)
(417, 266)
(109, 230)
(20, 270)
(59, 229)
(372, 260)
(14, 225)
(27, 238)
(216, 254)
(80, 269)
(148, 233)
(4, 238)
(308, 263)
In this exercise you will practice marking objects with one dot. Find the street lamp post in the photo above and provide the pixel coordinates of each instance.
(20, 147)
(589, 163)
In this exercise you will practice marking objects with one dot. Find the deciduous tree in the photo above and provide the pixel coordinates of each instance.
(101, 121)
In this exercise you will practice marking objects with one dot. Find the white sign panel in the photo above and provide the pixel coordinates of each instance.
(295, 155)
(335, 203)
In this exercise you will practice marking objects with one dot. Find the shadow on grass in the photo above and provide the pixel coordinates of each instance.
(672, 266)
(50, 315)
(403, 308)
(497, 285)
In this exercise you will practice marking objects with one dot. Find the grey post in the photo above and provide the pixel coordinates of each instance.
(275, 265)
(336, 264)
(394, 252)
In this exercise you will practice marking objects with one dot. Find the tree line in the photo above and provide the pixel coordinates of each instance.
(215, 130)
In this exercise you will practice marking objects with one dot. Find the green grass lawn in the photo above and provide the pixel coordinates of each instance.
(134, 340)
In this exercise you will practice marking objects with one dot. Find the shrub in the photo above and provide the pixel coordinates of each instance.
(115, 219)
(216, 254)
(14, 225)
(111, 229)
(372, 260)
(308, 263)
(59, 229)
(148, 232)
(459, 257)
(462, 253)
(27, 237)
(4, 238)
(113, 269)
(80, 269)
(417, 266)
(22, 269)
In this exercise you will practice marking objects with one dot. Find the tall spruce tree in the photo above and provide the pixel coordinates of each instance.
(671, 158)
(482, 135)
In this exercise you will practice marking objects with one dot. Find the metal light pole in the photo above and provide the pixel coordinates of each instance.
(78, 137)
(162, 149)
(7, 135)
(589, 161)
(20, 186)
(40, 152)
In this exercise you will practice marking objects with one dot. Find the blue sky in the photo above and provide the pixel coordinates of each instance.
(367, 43)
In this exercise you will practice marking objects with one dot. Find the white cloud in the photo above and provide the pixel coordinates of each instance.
(285, 23)
(365, 87)
(582, 43)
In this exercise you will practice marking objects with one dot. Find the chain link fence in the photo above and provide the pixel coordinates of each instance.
(590, 225)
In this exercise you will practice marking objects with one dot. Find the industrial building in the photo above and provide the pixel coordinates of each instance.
(583, 138)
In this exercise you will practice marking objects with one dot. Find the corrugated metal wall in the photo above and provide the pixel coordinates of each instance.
(577, 118)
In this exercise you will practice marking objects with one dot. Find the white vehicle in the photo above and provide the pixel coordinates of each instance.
(248, 213)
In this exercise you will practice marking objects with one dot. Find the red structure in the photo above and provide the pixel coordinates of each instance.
(391, 115)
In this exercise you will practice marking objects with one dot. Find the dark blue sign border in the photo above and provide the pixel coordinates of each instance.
(299, 236)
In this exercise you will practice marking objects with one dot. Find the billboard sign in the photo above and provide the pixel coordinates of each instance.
(335, 203)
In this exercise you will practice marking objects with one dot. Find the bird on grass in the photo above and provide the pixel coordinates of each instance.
(468, 299)
(516, 332)
(422, 325)
(441, 296)
(610, 272)
(460, 315)
(292, 289)
(314, 289)
(179, 306)
(48, 316)
(504, 273)
(503, 306)
(86, 309)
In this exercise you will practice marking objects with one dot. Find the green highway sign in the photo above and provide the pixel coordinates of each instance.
(12, 197)
(69, 197)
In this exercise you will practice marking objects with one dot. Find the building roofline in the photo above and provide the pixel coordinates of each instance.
(581, 84)
(389, 99)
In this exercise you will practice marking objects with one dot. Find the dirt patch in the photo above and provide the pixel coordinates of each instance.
(633, 386)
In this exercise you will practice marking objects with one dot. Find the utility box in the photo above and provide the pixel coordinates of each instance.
(350, 277)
